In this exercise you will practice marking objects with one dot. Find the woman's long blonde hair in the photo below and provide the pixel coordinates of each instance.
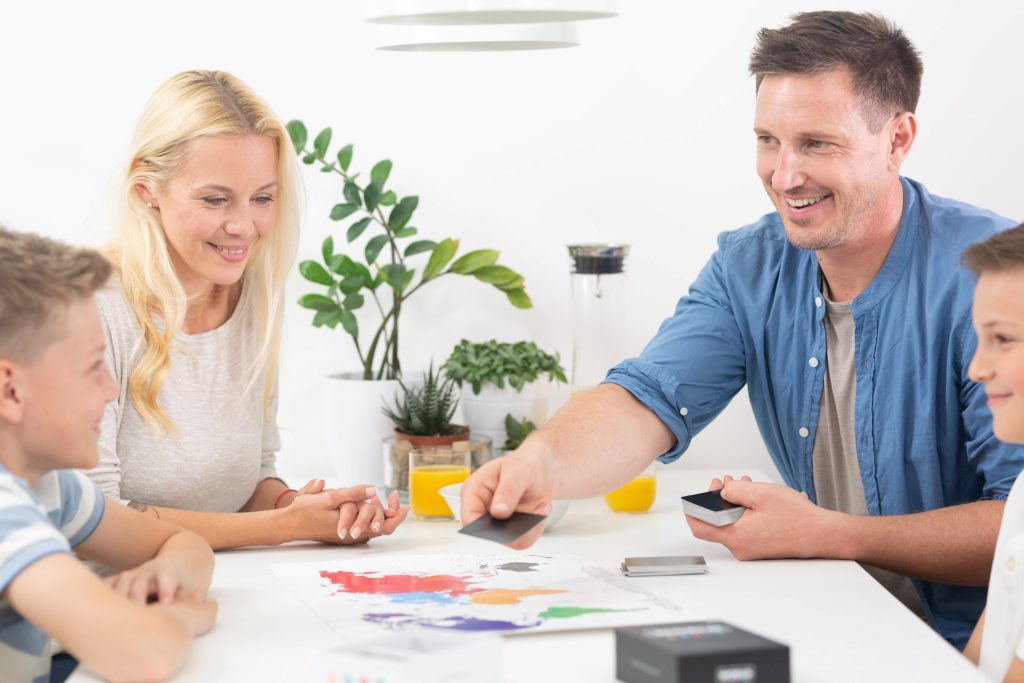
(189, 105)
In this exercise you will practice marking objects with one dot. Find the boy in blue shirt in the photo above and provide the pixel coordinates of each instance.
(54, 385)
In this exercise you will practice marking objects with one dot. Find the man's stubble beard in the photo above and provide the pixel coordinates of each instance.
(831, 236)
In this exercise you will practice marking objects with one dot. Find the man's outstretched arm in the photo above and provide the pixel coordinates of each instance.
(601, 439)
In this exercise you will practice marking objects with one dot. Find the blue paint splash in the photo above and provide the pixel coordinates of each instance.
(422, 598)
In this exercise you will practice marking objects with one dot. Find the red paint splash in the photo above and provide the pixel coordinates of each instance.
(351, 582)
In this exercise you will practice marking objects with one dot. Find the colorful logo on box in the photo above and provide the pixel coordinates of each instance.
(688, 632)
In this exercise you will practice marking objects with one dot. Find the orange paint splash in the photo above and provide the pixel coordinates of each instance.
(505, 596)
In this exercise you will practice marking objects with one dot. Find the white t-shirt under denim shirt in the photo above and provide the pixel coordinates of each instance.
(61, 511)
(226, 443)
(1003, 638)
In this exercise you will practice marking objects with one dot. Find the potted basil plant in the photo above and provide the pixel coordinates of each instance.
(498, 378)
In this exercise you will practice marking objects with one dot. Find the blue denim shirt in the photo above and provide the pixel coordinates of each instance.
(755, 316)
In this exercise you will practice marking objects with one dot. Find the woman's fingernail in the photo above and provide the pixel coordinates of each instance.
(376, 528)
(356, 532)
(341, 533)
(371, 491)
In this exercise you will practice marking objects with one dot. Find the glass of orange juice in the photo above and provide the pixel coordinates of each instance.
(430, 469)
(637, 495)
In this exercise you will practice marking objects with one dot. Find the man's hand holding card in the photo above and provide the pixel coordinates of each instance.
(513, 483)
(779, 523)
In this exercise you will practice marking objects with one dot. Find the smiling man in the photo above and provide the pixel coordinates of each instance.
(847, 316)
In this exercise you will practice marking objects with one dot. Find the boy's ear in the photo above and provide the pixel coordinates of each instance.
(12, 404)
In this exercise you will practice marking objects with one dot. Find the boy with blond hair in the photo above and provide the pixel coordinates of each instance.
(54, 384)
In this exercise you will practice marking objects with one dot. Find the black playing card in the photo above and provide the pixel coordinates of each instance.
(502, 530)
(711, 500)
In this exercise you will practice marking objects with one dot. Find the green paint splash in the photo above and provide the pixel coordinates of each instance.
(567, 612)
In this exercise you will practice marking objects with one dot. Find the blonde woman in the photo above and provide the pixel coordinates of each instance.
(206, 237)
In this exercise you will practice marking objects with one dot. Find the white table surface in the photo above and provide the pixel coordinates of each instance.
(839, 623)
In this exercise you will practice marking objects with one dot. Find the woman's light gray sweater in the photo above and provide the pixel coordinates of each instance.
(225, 442)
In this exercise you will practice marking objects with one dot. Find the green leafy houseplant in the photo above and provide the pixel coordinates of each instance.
(517, 431)
(496, 363)
(426, 410)
(383, 272)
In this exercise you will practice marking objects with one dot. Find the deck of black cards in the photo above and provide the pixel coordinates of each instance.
(710, 507)
(664, 566)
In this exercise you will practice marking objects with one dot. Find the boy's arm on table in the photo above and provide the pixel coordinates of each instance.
(112, 636)
(155, 558)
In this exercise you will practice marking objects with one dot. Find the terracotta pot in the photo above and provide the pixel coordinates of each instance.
(462, 434)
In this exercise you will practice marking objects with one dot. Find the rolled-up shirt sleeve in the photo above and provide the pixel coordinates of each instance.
(695, 364)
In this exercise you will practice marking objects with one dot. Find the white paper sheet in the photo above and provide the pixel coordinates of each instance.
(471, 593)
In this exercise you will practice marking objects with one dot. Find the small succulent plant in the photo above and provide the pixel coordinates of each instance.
(425, 410)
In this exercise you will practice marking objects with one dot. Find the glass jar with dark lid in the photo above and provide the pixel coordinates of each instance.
(598, 310)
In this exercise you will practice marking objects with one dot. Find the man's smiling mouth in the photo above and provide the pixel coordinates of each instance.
(804, 201)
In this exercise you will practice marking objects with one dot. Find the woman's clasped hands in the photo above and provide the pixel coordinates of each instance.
(343, 516)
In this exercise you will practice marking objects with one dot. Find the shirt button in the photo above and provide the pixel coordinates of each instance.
(1011, 564)
(813, 362)
(683, 411)
(804, 432)
(817, 302)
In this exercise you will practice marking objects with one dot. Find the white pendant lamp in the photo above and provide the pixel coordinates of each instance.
(476, 12)
(491, 38)
(481, 25)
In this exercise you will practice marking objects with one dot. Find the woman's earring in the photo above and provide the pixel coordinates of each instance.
(149, 204)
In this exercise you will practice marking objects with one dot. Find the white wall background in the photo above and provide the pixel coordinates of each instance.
(641, 134)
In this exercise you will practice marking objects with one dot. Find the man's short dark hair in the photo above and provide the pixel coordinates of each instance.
(885, 66)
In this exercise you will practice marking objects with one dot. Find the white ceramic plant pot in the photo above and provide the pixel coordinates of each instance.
(485, 412)
(354, 426)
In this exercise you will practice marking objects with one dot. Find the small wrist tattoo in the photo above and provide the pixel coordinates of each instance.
(143, 508)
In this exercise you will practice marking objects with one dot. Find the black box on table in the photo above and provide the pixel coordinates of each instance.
(698, 652)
